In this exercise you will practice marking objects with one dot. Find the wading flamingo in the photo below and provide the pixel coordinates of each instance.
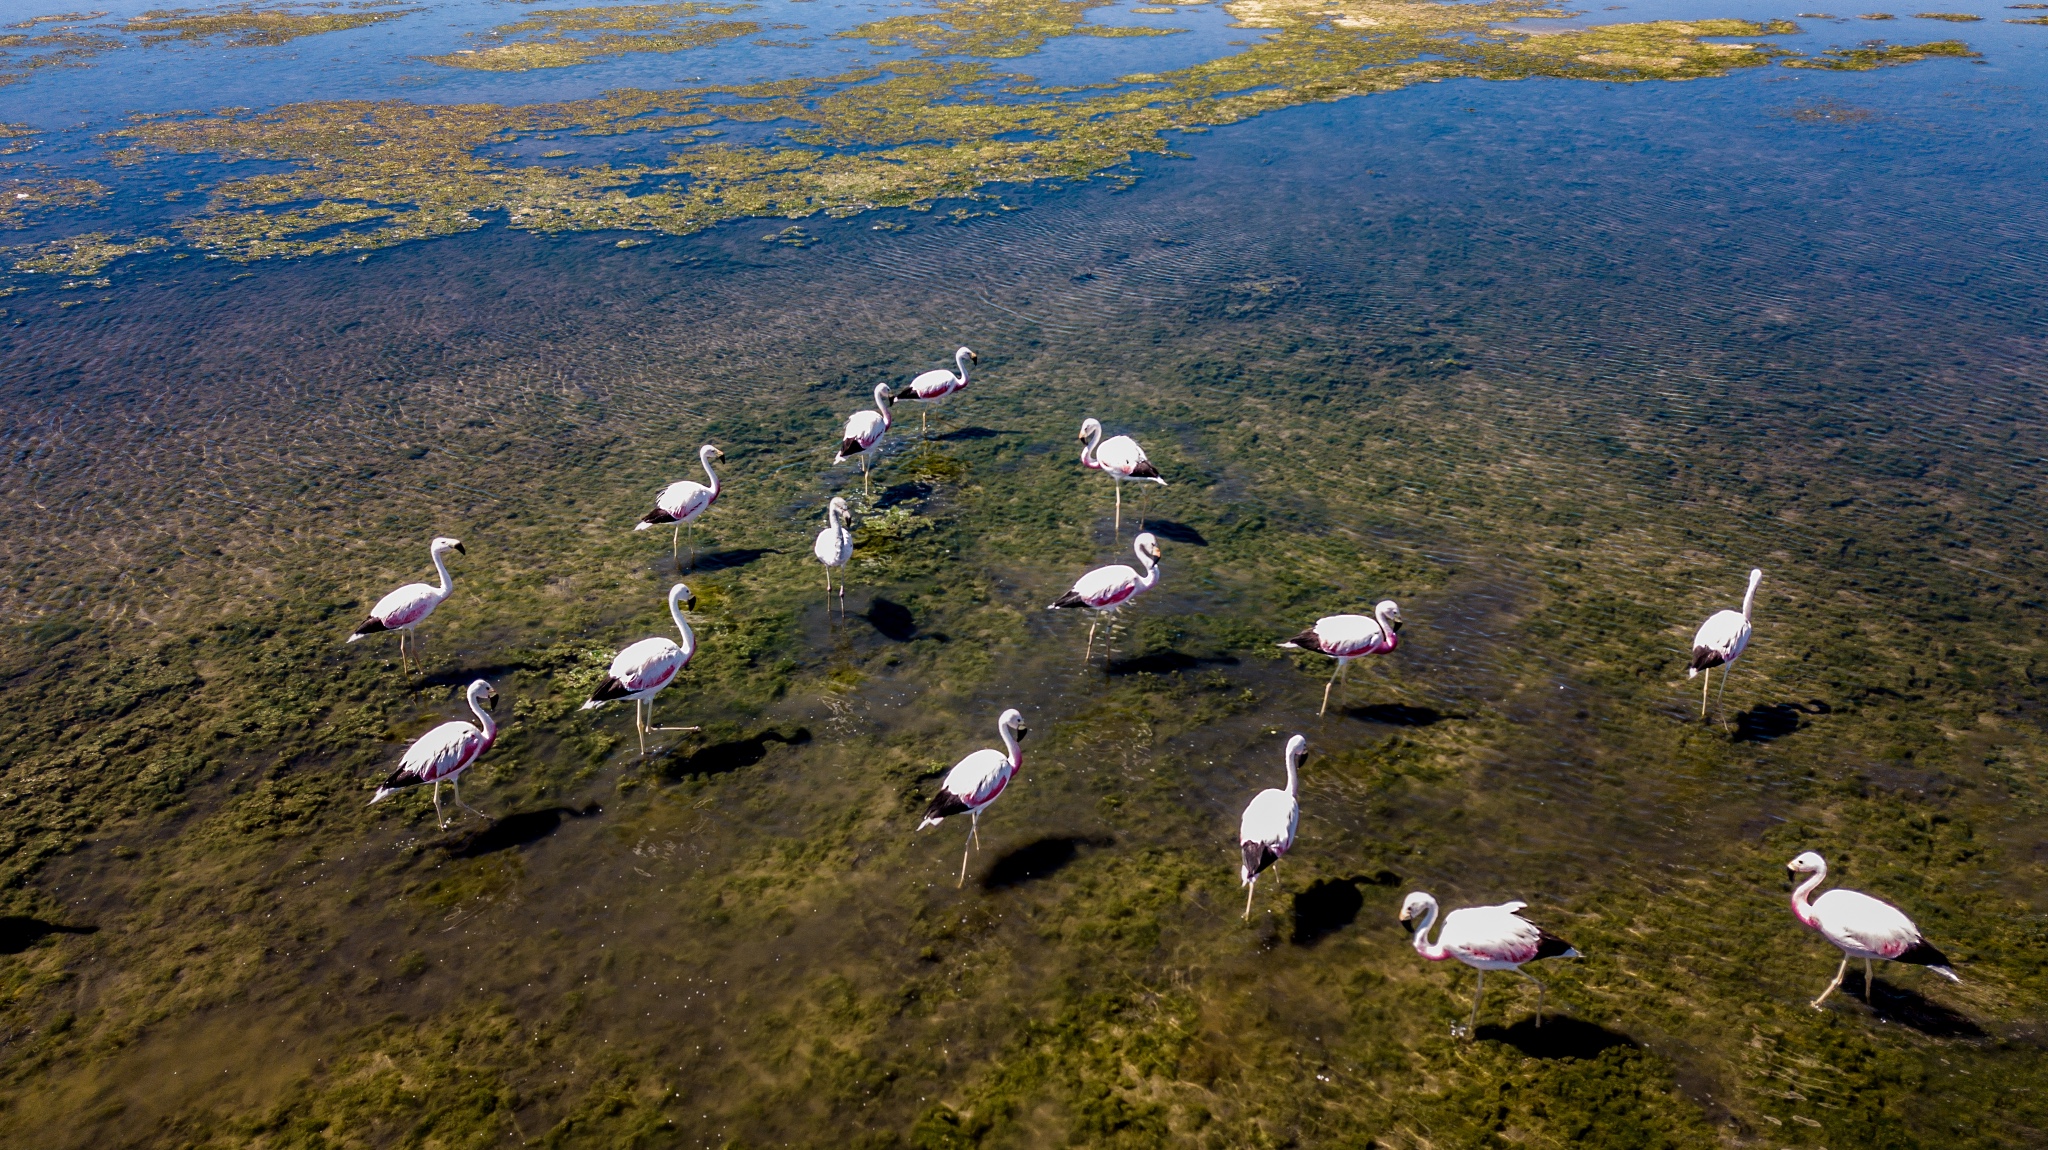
(1107, 589)
(1120, 458)
(442, 754)
(834, 546)
(863, 435)
(406, 608)
(640, 671)
(682, 502)
(978, 780)
(1721, 641)
(1267, 831)
(1860, 927)
(932, 386)
(1483, 938)
(1348, 637)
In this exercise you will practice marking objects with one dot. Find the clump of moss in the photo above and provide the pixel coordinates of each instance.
(1951, 17)
(80, 255)
(548, 41)
(23, 54)
(251, 25)
(20, 197)
(1877, 54)
(2028, 19)
(992, 28)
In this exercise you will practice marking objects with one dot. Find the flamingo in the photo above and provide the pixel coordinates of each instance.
(442, 754)
(1722, 639)
(1267, 831)
(1860, 927)
(1107, 589)
(864, 431)
(1348, 637)
(833, 548)
(405, 609)
(978, 780)
(1484, 938)
(932, 386)
(1121, 459)
(682, 502)
(640, 671)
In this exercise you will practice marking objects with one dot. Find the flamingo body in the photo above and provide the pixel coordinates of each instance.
(1348, 637)
(404, 609)
(685, 499)
(1266, 832)
(1484, 938)
(641, 670)
(1860, 926)
(1107, 589)
(1722, 639)
(977, 781)
(833, 547)
(933, 386)
(442, 754)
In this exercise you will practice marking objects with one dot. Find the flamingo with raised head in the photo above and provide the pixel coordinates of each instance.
(978, 780)
(1483, 938)
(682, 502)
(1860, 927)
(1267, 830)
(1348, 637)
(1120, 458)
(405, 609)
(1106, 590)
(833, 547)
(863, 434)
(1722, 639)
(442, 754)
(930, 387)
(640, 671)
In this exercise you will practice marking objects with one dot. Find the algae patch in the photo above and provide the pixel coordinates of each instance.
(253, 25)
(1878, 54)
(997, 29)
(545, 38)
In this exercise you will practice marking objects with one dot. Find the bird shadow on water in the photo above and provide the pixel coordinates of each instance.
(1173, 532)
(1560, 1036)
(893, 621)
(1913, 1010)
(1398, 715)
(518, 829)
(1165, 663)
(463, 676)
(727, 560)
(1331, 904)
(971, 433)
(734, 754)
(1041, 858)
(1764, 723)
(901, 493)
(18, 932)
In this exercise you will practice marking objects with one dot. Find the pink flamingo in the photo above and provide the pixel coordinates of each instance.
(1120, 458)
(1106, 589)
(1348, 637)
(640, 671)
(682, 502)
(863, 434)
(932, 386)
(1484, 938)
(1267, 829)
(405, 609)
(1721, 640)
(442, 754)
(978, 780)
(1860, 927)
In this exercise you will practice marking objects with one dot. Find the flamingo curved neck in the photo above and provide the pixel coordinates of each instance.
(832, 518)
(1293, 779)
(689, 643)
(1802, 906)
(1434, 952)
(882, 405)
(1749, 597)
(1088, 450)
(483, 717)
(960, 359)
(1010, 745)
(441, 567)
(705, 459)
(1389, 637)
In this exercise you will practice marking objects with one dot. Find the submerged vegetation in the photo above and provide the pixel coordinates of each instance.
(995, 29)
(257, 25)
(543, 39)
(1878, 54)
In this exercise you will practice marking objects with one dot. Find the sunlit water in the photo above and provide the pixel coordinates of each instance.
(1709, 327)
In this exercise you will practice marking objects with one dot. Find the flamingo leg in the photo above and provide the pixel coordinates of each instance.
(963, 862)
(1118, 529)
(974, 829)
(438, 817)
(1703, 690)
(1472, 1027)
(1722, 695)
(1869, 980)
(1539, 994)
(456, 782)
(640, 728)
(675, 546)
(1832, 985)
(1326, 689)
(1089, 652)
(693, 545)
(1250, 889)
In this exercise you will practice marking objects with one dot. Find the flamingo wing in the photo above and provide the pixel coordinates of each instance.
(1123, 456)
(863, 428)
(934, 385)
(973, 783)
(1720, 640)
(1267, 830)
(1497, 934)
(1349, 636)
(406, 606)
(680, 502)
(1855, 921)
(1102, 588)
(439, 754)
(834, 546)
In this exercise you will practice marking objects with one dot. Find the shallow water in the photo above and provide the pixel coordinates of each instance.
(1550, 362)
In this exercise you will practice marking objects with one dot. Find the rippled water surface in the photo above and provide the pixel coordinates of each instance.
(1551, 362)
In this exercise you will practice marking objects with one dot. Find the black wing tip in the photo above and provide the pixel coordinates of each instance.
(608, 690)
(1704, 658)
(1145, 470)
(1921, 953)
(370, 626)
(850, 447)
(944, 805)
(1257, 857)
(1549, 945)
(1307, 641)
(1070, 599)
(657, 516)
(400, 779)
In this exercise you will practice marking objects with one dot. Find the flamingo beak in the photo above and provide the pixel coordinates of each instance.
(491, 702)
(1407, 923)
(1022, 731)
(973, 358)
(459, 547)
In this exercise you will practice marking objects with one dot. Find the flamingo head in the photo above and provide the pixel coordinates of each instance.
(1147, 547)
(483, 692)
(966, 353)
(1296, 748)
(1013, 722)
(838, 504)
(707, 453)
(1089, 427)
(445, 544)
(1391, 612)
(884, 396)
(682, 596)
(1416, 908)
(1807, 863)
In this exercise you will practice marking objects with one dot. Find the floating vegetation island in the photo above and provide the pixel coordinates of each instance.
(544, 39)
(259, 25)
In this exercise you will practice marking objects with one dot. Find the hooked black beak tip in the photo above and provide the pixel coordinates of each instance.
(461, 548)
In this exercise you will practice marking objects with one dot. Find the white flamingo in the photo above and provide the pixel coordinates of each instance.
(932, 386)
(1860, 927)
(640, 671)
(1267, 829)
(1483, 938)
(682, 502)
(833, 547)
(1348, 637)
(1722, 639)
(863, 434)
(405, 609)
(1120, 458)
(442, 754)
(1106, 590)
(978, 780)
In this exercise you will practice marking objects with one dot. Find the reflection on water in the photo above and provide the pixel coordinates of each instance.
(1551, 368)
